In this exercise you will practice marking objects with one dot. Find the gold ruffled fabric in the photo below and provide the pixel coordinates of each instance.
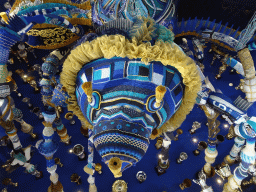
(117, 46)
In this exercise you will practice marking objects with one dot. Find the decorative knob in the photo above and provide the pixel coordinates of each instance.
(179, 132)
(76, 179)
(69, 116)
(186, 183)
(8, 181)
(98, 168)
(119, 186)
(183, 156)
(159, 142)
(141, 176)
(78, 150)
(201, 146)
(57, 162)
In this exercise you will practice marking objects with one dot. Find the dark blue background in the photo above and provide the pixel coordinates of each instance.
(168, 182)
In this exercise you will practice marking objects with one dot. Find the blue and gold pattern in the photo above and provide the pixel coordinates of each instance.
(125, 119)
(125, 66)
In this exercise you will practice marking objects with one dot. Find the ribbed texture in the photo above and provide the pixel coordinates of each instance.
(242, 103)
(16, 23)
(123, 24)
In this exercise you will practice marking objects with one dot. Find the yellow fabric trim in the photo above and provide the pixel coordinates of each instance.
(85, 6)
(117, 46)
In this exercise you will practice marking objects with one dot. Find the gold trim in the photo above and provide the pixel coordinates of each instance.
(120, 155)
(48, 158)
(93, 107)
(188, 33)
(12, 134)
(62, 132)
(47, 124)
(99, 100)
(122, 160)
(147, 105)
(111, 100)
(85, 6)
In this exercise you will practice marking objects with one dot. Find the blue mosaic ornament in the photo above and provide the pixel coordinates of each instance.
(45, 82)
(126, 116)
(60, 97)
(48, 68)
(116, 138)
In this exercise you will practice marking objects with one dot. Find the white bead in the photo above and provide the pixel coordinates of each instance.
(54, 178)
(48, 131)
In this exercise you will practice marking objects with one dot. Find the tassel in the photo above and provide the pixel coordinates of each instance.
(87, 87)
(160, 92)
(4, 17)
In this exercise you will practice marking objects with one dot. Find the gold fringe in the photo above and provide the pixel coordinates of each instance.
(117, 46)
(80, 21)
(85, 6)
(44, 25)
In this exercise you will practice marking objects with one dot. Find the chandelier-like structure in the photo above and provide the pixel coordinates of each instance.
(128, 82)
